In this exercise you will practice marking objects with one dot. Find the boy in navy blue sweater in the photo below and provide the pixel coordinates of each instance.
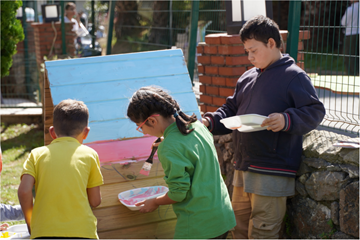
(266, 161)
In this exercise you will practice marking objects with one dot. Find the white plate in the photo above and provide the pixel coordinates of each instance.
(130, 197)
(248, 122)
(18, 231)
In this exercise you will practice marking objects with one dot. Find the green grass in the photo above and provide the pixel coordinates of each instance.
(338, 84)
(324, 64)
(16, 143)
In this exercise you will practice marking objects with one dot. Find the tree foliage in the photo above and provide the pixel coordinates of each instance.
(126, 15)
(11, 33)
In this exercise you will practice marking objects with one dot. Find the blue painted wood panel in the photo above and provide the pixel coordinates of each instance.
(123, 67)
(120, 89)
(106, 84)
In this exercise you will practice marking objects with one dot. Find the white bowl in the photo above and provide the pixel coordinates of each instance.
(245, 123)
(130, 197)
(18, 231)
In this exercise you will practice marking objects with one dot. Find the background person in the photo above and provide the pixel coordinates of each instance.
(72, 16)
(350, 21)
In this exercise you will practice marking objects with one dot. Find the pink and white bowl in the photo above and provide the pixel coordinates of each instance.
(131, 197)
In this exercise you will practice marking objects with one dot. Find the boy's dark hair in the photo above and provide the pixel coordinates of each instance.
(70, 117)
(69, 4)
(152, 100)
(261, 28)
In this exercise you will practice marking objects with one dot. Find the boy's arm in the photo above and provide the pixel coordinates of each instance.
(94, 196)
(308, 110)
(212, 119)
(94, 182)
(26, 197)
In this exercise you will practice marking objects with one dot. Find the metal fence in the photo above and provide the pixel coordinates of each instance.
(332, 60)
(21, 87)
(155, 25)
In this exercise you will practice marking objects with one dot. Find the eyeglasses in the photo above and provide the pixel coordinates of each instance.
(139, 127)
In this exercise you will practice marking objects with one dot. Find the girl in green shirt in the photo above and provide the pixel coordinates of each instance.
(187, 154)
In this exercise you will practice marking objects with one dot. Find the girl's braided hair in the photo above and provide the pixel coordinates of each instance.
(152, 100)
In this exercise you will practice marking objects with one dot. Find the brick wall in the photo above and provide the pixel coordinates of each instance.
(44, 35)
(222, 60)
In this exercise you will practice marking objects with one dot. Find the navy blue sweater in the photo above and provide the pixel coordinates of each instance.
(284, 88)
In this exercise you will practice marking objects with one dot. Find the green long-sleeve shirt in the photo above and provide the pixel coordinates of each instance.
(193, 176)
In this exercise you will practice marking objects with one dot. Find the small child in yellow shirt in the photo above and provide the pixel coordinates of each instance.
(67, 179)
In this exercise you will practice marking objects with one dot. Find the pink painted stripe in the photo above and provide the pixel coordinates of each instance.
(276, 169)
(212, 124)
(115, 151)
(289, 122)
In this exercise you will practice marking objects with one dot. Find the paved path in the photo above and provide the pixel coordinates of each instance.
(24, 112)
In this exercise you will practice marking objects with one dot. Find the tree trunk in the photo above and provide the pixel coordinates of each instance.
(124, 18)
(160, 20)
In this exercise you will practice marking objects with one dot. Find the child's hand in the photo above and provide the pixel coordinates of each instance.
(149, 205)
(4, 226)
(205, 122)
(275, 122)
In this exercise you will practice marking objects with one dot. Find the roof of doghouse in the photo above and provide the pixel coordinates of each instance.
(106, 83)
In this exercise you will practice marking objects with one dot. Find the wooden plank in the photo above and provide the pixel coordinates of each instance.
(118, 129)
(116, 58)
(106, 83)
(47, 139)
(109, 192)
(117, 173)
(111, 71)
(117, 109)
(48, 110)
(159, 230)
(119, 89)
(120, 217)
(110, 151)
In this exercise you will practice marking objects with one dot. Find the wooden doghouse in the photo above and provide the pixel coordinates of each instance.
(106, 84)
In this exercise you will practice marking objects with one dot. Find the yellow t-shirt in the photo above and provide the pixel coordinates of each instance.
(63, 171)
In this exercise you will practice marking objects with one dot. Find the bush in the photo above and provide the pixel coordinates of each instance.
(11, 33)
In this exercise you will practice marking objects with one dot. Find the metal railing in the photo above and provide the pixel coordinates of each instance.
(158, 25)
(330, 59)
(166, 24)
(20, 89)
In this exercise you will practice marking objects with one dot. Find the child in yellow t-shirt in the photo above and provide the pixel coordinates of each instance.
(67, 179)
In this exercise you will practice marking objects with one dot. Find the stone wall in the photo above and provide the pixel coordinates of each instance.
(326, 203)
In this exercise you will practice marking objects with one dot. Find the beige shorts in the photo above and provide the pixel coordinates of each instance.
(257, 216)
